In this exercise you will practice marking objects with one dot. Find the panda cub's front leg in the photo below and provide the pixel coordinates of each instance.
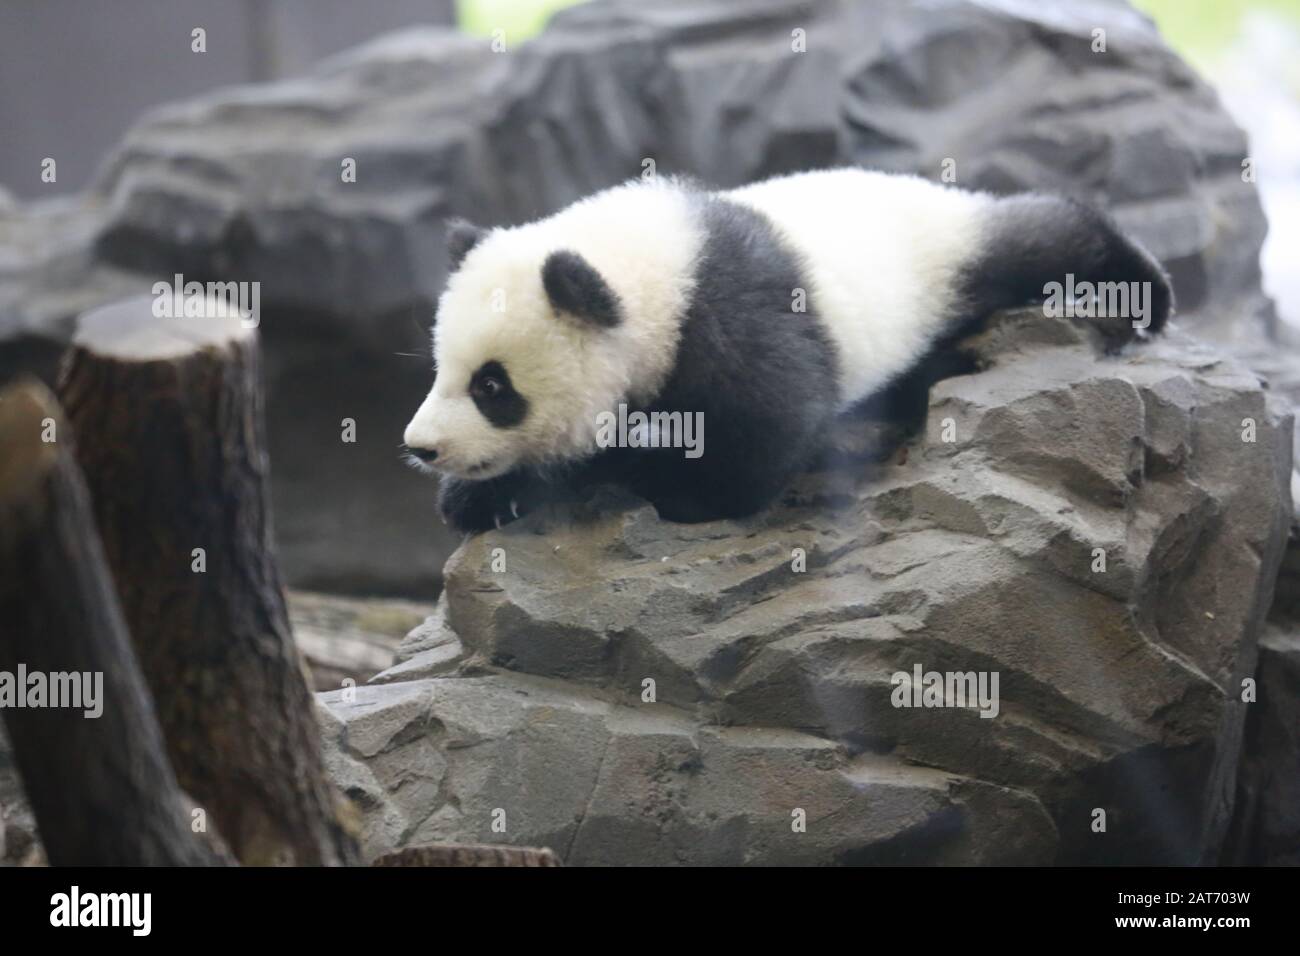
(471, 506)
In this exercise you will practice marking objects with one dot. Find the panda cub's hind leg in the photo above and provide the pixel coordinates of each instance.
(1039, 248)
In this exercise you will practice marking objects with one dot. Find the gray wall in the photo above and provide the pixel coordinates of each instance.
(75, 73)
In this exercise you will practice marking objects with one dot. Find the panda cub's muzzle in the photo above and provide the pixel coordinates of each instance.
(426, 455)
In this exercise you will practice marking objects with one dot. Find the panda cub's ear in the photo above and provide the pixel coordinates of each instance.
(462, 236)
(573, 286)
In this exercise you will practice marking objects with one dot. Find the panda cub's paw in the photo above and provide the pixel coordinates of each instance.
(472, 506)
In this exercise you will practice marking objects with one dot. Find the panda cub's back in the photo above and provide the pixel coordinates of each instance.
(882, 253)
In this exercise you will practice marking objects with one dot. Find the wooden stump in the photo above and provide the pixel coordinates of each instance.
(468, 854)
(169, 422)
(100, 786)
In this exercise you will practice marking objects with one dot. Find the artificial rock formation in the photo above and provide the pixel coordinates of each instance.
(1102, 534)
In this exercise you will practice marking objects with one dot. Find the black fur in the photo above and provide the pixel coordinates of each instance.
(504, 409)
(480, 505)
(462, 236)
(1035, 239)
(573, 286)
(765, 376)
(1029, 240)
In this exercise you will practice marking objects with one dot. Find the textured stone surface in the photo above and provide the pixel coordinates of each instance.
(345, 638)
(603, 783)
(244, 184)
(1119, 689)
(1266, 825)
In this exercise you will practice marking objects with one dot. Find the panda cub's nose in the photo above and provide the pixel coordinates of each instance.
(425, 455)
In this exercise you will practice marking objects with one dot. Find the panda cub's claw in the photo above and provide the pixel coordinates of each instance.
(472, 506)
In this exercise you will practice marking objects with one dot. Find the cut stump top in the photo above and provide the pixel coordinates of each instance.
(129, 331)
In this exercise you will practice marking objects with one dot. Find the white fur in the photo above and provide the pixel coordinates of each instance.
(644, 242)
(882, 253)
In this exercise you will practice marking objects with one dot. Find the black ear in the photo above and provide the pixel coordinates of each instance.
(462, 236)
(573, 286)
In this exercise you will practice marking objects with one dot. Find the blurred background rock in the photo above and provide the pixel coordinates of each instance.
(1249, 49)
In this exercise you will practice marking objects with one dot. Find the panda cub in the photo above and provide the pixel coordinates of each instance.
(762, 313)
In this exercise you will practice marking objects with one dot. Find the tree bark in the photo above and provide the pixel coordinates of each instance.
(100, 786)
(168, 414)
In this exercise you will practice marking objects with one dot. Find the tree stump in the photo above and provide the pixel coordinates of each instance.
(100, 786)
(468, 854)
(168, 414)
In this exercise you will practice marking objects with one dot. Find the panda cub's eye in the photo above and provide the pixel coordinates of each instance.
(495, 395)
(490, 381)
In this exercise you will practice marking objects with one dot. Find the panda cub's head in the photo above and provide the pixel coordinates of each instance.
(527, 350)
(545, 326)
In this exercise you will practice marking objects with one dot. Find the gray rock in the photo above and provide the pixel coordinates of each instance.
(605, 783)
(1266, 824)
(245, 184)
(1119, 689)
(430, 648)
(345, 638)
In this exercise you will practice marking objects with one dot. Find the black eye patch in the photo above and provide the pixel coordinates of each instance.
(495, 396)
